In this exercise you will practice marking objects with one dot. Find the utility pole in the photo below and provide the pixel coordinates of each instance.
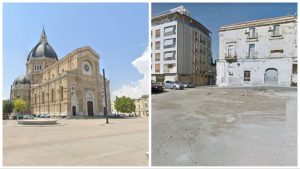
(104, 85)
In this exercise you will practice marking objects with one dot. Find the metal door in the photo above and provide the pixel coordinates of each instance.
(271, 76)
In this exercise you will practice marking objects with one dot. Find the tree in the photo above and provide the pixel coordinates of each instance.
(124, 104)
(19, 105)
(8, 107)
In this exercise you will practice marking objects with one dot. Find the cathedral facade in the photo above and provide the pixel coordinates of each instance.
(71, 86)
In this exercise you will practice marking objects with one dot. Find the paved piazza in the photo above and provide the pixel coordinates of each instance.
(208, 126)
(80, 142)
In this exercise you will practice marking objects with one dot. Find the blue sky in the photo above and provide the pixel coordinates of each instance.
(214, 15)
(117, 31)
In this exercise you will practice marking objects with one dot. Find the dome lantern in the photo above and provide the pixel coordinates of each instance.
(42, 49)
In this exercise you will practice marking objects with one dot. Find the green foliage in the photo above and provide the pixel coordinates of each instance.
(8, 106)
(124, 104)
(19, 105)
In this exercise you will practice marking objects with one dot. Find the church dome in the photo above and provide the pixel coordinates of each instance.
(42, 49)
(23, 79)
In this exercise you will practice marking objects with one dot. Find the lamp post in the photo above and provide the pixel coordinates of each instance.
(104, 85)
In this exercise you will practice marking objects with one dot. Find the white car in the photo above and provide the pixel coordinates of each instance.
(173, 85)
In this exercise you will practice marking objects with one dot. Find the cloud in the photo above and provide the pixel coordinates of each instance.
(140, 87)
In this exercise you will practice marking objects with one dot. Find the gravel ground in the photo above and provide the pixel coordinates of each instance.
(81, 142)
(208, 126)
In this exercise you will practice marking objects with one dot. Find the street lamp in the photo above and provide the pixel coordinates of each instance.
(105, 108)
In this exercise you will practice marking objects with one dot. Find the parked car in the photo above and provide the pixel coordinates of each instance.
(188, 85)
(21, 116)
(173, 85)
(156, 87)
(28, 116)
(178, 85)
(184, 85)
(44, 115)
(168, 84)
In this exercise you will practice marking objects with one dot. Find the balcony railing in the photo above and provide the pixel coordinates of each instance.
(169, 33)
(230, 58)
(169, 46)
(252, 55)
(252, 35)
(276, 34)
(169, 58)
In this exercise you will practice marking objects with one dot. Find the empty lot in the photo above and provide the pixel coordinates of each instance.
(80, 142)
(225, 126)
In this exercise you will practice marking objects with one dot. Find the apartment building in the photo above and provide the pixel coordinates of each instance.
(180, 48)
(259, 52)
(142, 106)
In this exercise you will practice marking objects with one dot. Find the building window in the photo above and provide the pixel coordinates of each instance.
(196, 36)
(231, 50)
(295, 67)
(157, 68)
(170, 30)
(157, 45)
(61, 93)
(252, 33)
(35, 99)
(169, 43)
(157, 33)
(37, 68)
(246, 76)
(251, 53)
(157, 56)
(43, 97)
(52, 95)
(275, 31)
(169, 68)
(170, 55)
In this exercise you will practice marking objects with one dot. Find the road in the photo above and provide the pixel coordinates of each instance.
(80, 142)
(208, 126)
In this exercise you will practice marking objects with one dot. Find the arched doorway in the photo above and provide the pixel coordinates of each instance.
(90, 100)
(90, 108)
(74, 110)
(271, 76)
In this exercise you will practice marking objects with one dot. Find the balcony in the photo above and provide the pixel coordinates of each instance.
(169, 33)
(169, 46)
(230, 58)
(252, 55)
(252, 36)
(169, 58)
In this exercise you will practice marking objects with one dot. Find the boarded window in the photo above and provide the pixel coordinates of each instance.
(246, 75)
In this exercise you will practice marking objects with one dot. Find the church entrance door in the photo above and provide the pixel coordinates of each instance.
(90, 108)
(74, 110)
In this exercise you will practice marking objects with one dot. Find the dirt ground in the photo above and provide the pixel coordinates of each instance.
(80, 142)
(209, 126)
